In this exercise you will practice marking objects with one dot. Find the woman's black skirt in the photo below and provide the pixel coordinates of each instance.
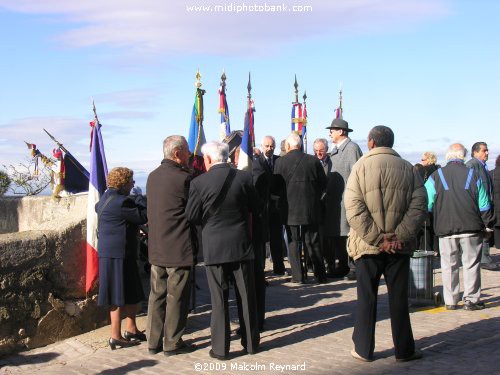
(119, 282)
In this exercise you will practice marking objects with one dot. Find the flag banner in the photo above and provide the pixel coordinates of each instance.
(297, 119)
(97, 186)
(338, 113)
(196, 132)
(225, 126)
(77, 177)
(247, 144)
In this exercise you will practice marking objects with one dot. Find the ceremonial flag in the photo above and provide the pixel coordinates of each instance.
(225, 126)
(297, 119)
(97, 186)
(196, 137)
(196, 132)
(246, 148)
(338, 112)
(77, 177)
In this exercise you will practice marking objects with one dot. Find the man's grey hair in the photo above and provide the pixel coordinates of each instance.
(456, 151)
(172, 144)
(321, 140)
(293, 141)
(218, 151)
(268, 136)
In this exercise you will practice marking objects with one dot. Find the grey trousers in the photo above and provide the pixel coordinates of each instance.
(168, 306)
(471, 255)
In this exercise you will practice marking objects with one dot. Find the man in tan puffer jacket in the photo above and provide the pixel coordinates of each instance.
(386, 203)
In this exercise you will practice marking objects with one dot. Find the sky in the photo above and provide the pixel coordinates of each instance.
(429, 69)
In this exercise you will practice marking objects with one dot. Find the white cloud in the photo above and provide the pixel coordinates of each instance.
(153, 27)
(67, 130)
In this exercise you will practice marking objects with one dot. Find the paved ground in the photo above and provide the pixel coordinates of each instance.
(308, 329)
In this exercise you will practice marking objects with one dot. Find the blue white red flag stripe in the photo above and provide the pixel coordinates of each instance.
(225, 125)
(246, 149)
(297, 118)
(97, 186)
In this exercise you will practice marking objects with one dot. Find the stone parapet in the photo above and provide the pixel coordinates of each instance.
(42, 272)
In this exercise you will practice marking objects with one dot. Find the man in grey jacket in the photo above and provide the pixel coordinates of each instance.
(383, 230)
(343, 155)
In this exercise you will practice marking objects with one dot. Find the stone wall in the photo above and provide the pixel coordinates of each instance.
(42, 272)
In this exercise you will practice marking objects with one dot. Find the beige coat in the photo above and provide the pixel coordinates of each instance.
(384, 194)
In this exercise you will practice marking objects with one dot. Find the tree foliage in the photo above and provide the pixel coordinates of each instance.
(23, 179)
(4, 182)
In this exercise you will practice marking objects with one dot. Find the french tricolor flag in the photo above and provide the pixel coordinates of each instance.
(246, 148)
(97, 186)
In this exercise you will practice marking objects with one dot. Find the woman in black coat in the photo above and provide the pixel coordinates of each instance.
(120, 288)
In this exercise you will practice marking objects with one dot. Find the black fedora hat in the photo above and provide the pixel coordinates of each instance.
(338, 123)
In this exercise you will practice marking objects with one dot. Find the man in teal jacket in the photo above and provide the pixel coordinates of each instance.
(462, 211)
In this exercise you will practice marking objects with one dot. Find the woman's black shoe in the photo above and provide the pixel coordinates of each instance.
(139, 336)
(121, 343)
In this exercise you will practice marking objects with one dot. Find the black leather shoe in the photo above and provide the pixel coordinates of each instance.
(470, 306)
(252, 352)
(121, 343)
(490, 266)
(321, 280)
(451, 307)
(417, 354)
(155, 350)
(138, 336)
(183, 349)
(219, 357)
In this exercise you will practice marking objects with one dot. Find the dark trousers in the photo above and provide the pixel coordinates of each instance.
(327, 250)
(395, 269)
(339, 246)
(310, 238)
(219, 276)
(260, 288)
(168, 306)
(276, 243)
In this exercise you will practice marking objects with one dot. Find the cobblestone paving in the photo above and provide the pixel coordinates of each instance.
(308, 331)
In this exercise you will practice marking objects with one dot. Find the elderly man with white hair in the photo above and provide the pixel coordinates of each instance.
(462, 212)
(305, 182)
(221, 201)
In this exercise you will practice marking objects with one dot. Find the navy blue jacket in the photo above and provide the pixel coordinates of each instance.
(118, 224)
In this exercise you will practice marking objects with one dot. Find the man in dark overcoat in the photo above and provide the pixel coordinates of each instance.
(305, 182)
(272, 230)
(222, 201)
(171, 249)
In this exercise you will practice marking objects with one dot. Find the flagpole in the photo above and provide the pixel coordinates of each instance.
(304, 123)
(340, 100)
(250, 113)
(298, 118)
(223, 108)
(199, 115)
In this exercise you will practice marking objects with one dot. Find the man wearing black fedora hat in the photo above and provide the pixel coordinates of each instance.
(343, 154)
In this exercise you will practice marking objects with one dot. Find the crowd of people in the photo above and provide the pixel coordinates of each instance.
(337, 213)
